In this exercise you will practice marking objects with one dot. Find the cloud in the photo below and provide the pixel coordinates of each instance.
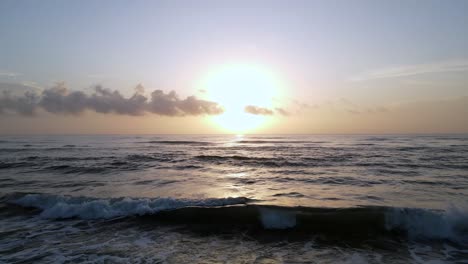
(368, 110)
(25, 105)
(60, 100)
(344, 105)
(281, 111)
(256, 110)
(415, 69)
(294, 106)
(9, 74)
(19, 88)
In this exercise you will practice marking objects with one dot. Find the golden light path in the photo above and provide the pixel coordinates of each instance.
(235, 86)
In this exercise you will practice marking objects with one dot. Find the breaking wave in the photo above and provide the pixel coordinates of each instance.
(451, 224)
(61, 207)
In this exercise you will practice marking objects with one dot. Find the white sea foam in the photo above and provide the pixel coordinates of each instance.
(449, 224)
(55, 206)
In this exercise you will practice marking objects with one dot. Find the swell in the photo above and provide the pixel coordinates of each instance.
(252, 161)
(390, 165)
(178, 142)
(90, 164)
(105, 164)
(75, 168)
(279, 142)
(451, 224)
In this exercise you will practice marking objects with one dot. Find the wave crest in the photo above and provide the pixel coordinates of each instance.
(59, 207)
(356, 221)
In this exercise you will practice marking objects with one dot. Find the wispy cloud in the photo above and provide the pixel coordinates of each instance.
(415, 69)
(60, 100)
(367, 110)
(293, 106)
(344, 105)
(19, 88)
(282, 111)
(9, 74)
(256, 110)
(31, 84)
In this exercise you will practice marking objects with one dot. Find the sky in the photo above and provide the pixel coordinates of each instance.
(196, 67)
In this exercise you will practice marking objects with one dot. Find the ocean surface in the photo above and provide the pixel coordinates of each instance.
(234, 199)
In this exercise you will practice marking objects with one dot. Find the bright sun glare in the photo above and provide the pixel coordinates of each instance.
(235, 86)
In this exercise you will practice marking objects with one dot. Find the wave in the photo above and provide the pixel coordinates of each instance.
(32, 148)
(451, 224)
(11, 165)
(279, 142)
(62, 207)
(178, 142)
(245, 160)
(376, 139)
(96, 168)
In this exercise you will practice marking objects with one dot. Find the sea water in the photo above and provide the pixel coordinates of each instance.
(234, 199)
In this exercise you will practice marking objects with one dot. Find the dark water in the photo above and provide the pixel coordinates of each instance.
(234, 199)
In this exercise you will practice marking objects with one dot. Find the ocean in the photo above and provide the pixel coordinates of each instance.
(234, 199)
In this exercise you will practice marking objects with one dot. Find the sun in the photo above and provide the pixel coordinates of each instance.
(235, 86)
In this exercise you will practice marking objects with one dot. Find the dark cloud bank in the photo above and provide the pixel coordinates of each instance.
(60, 100)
